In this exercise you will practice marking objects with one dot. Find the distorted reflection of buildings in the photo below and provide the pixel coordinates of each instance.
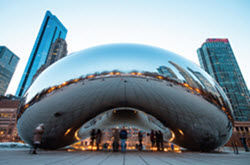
(167, 72)
(203, 80)
(197, 118)
(188, 78)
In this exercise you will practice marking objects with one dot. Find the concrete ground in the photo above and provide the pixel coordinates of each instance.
(22, 156)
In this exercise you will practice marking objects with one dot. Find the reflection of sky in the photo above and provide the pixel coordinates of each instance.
(122, 57)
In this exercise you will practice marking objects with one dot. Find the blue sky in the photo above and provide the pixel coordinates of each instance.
(180, 26)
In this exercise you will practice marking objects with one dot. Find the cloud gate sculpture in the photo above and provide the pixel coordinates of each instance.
(126, 84)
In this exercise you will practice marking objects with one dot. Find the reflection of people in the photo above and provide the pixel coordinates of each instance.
(152, 138)
(92, 137)
(140, 136)
(98, 138)
(38, 137)
(115, 140)
(123, 137)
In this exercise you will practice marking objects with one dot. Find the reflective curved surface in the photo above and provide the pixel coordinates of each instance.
(81, 86)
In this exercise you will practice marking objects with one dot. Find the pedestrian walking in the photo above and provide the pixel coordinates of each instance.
(244, 142)
(92, 137)
(123, 137)
(161, 140)
(234, 144)
(157, 135)
(98, 138)
(37, 137)
(235, 148)
(115, 140)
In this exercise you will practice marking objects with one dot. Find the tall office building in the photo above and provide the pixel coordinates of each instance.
(8, 63)
(58, 50)
(216, 57)
(50, 30)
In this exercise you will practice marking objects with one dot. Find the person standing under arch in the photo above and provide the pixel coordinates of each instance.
(140, 136)
(115, 140)
(98, 138)
(123, 137)
(92, 137)
(152, 138)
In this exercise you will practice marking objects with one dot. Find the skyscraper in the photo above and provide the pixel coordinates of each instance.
(57, 51)
(50, 30)
(8, 63)
(216, 57)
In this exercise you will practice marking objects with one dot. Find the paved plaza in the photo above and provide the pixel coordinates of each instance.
(22, 156)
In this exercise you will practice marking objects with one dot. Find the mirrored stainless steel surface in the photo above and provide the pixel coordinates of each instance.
(165, 85)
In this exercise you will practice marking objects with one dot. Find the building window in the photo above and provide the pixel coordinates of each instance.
(9, 131)
(5, 115)
(2, 131)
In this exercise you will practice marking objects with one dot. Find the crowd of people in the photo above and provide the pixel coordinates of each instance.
(119, 138)
(96, 137)
(156, 138)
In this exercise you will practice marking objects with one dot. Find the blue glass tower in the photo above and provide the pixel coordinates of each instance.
(8, 63)
(216, 57)
(50, 30)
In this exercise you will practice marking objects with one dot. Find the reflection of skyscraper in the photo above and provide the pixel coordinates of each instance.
(167, 72)
(189, 79)
(50, 30)
(208, 86)
(217, 58)
(8, 63)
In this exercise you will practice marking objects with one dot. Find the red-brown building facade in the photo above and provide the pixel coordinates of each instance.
(241, 130)
(8, 131)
